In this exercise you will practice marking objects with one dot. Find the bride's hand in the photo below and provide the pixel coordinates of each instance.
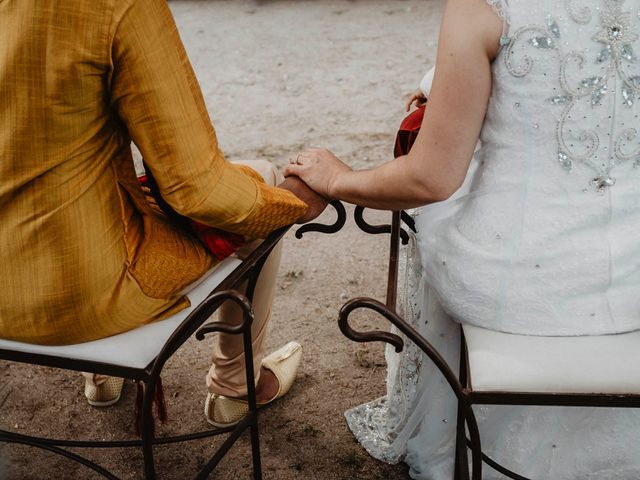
(318, 168)
(418, 98)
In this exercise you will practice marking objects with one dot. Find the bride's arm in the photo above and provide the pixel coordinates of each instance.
(439, 159)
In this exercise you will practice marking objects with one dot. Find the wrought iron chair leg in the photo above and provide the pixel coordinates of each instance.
(255, 451)
(469, 418)
(251, 384)
(253, 411)
(461, 471)
(476, 446)
(461, 468)
(147, 430)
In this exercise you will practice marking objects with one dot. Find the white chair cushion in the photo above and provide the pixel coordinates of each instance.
(521, 363)
(135, 348)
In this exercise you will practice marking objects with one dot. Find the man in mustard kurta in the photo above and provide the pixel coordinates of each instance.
(83, 256)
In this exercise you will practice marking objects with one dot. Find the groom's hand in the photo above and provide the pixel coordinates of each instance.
(316, 203)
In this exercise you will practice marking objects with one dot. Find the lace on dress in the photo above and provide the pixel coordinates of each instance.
(501, 9)
(499, 6)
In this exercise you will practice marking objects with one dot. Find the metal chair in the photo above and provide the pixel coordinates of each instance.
(607, 379)
(141, 355)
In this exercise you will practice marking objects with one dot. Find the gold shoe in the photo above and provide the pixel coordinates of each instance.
(105, 394)
(223, 412)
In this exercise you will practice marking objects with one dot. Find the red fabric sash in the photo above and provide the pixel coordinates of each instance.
(408, 132)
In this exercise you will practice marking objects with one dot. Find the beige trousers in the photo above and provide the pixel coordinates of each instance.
(227, 373)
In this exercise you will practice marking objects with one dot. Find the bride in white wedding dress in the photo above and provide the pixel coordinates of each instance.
(538, 235)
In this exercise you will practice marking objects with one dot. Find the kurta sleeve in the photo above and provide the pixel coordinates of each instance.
(155, 93)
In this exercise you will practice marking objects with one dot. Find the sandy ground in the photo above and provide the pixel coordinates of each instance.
(277, 76)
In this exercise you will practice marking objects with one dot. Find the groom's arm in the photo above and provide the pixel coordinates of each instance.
(156, 94)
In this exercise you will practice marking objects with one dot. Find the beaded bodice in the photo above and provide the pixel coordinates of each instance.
(578, 63)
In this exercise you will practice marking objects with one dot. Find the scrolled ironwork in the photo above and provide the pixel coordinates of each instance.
(408, 221)
(214, 302)
(374, 336)
(43, 445)
(322, 228)
(358, 216)
(395, 340)
(461, 393)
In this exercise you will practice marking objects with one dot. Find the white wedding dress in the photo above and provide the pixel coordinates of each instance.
(542, 239)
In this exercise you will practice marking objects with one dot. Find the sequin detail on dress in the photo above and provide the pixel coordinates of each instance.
(612, 72)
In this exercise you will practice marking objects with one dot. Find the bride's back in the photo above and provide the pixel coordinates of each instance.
(546, 242)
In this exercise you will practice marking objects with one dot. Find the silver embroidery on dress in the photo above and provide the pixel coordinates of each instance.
(578, 13)
(616, 35)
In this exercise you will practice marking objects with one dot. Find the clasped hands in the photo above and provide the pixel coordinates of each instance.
(315, 175)
(312, 175)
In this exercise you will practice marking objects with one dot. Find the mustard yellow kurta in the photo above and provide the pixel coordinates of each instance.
(82, 255)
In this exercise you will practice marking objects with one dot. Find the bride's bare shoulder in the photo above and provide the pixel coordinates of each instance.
(479, 21)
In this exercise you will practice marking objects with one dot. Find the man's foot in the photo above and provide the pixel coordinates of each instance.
(267, 387)
(276, 378)
(105, 394)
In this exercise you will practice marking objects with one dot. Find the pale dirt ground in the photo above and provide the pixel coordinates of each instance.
(277, 76)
